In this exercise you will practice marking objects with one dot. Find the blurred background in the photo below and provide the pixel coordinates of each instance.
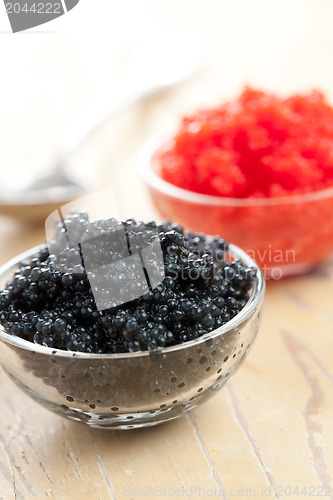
(51, 72)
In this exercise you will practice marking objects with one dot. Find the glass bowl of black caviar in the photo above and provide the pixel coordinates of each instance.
(125, 364)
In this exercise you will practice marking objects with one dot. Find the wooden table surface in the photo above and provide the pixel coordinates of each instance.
(268, 433)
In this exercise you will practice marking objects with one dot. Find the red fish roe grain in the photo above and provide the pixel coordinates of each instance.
(267, 163)
(259, 145)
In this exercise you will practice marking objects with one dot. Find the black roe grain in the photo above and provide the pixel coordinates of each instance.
(52, 304)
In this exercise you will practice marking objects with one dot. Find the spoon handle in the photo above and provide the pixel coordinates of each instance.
(95, 114)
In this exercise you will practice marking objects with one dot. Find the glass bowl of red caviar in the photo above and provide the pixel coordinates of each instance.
(279, 205)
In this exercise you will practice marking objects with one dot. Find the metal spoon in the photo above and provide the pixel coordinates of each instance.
(157, 64)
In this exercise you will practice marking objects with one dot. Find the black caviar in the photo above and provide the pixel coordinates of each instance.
(50, 300)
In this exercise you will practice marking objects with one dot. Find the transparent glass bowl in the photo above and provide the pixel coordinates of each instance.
(285, 236)
(131, 390)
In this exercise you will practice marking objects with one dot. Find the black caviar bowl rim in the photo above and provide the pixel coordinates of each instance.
(252, 304)
(145, 164)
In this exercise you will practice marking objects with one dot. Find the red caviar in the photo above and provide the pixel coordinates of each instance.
(258, 145)
(261, 150)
